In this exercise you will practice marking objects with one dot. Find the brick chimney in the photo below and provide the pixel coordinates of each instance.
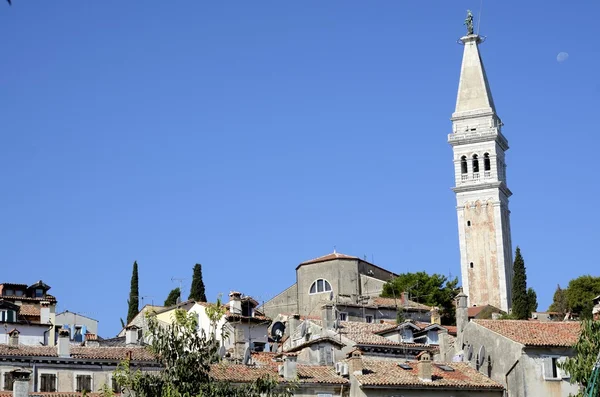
(63, 346)
(355, 364)
(290, 367)
(13, 338)
(91, 340)
(235, 302)
(21, 382)
(424, 367)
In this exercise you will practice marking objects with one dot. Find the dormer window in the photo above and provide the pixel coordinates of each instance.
(9, 292)
(39, 293)
(319, 286)
(407, 335)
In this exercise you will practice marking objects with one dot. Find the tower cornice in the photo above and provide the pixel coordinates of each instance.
(493, 134)
(483, 186)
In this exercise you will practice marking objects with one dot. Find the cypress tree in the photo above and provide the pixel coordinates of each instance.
(520, 299)
(197, 292)
(134, 294)
(173, 297)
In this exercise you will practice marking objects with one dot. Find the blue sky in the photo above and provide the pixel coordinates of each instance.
(251, 136)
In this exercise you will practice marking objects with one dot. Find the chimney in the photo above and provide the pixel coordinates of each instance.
(462, 319)
(435, 316)
(424, 367)
(45, 312)
(91, 340)
(293, 322)
(290, 367)
(132, 335)
(327, 317)
(355, 364)
(235, 302)
(403, 298)
(13, 340)
(239, 341)
(21, 382)
(64, 346)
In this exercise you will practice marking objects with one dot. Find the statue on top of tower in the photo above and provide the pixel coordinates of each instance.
(469, 22)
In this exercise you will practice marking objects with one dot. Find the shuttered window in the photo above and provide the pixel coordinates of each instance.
(115, 386)
(8, 381)
(48, 383)
(84, 382)
(551, 370)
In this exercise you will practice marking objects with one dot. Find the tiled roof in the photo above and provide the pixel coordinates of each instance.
(535, 333)
(313, 341)
(13, 298)
(101, 353)
(389, 373)
(366, 334)
(328, 257)
(29, 310)
(239, 373)
(264, 357)
(407, 304)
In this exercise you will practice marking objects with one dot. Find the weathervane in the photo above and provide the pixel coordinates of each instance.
(469, 22)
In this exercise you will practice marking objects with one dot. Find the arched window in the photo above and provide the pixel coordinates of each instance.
(463, 165)
(475, 163)
(486, 162)
(320, 285)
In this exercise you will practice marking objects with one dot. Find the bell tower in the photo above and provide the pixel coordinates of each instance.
(480, 185)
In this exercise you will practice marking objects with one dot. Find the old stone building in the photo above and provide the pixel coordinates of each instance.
(480, 185)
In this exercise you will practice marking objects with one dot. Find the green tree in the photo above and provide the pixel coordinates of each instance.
(134, 294)
(520, 299)
(587, 347)
(559, 302)
(197, 292)
(580, 294)
(431, 290)
(187, 356)
(173, 297)
(532, 300)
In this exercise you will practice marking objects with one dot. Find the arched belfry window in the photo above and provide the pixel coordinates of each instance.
(320, 285)
(463, 165)
(475, 163)
(486, 162)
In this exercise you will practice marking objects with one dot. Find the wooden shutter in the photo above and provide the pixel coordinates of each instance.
(8, 381)
(78, 386)
(328, 355)
(322, 355)
(547, 368)
(87, 382)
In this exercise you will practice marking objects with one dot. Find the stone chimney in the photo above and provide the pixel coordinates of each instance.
(132, 335)
(290, 367)
(424, 367)
(21, 382)
(462, 319)
(91, 340)
(293, 323)
(13, 338)
(355, 364)
(45, 312)
(403, 298)
(327, 318)
(239, 342)
(63, 346)
(235, 302)
(435, 316)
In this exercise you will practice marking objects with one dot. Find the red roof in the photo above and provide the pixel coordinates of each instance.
(239, 373)
(389, 373)
(329, 257)
(535, 333)
(101, 353)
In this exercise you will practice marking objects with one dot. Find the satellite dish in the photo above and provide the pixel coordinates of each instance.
(222, 351)
(277, 331)
(246, 356)
(481, 356)
(469, 352)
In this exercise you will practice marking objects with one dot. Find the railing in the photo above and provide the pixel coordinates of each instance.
(476, 176)
(487, 174)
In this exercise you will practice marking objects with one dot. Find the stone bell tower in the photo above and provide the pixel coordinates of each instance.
(480, 185)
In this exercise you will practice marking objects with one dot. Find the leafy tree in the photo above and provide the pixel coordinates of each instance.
(520, 299)
(431, 290)
(173, 297)
(587, 348)
(580, 294)
(134, 294)
(187, 356)
(532, 300)
(559, 302)
(197, 292)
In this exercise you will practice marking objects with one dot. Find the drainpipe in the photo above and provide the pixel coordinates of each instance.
(508, 373)
(35, 378)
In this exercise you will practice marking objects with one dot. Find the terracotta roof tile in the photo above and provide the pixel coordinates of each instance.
(29, 310)
(240, 373)
(407, 304)
(389, 373)
(366, 334)
(535, 333)
(101, 353)
(328, 257)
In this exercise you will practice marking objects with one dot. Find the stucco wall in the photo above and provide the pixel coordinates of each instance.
(284, 302)
(31, 335)
(76, 319)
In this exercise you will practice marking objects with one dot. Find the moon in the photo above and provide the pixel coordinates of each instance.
(562, 56)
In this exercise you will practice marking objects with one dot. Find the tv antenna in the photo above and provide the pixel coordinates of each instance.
(180, 281)
(479, 17)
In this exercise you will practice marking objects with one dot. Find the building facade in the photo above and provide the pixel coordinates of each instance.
(480, 185)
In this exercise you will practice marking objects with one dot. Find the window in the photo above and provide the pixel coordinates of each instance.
(19, 293)
(115, 386)
(551, 370)
(7, 316)
(8, 381)
(407, 335)
(83, 382)
(319, 286)
(78, 337)
(343, 316)
(486, 162)
(475, 163)
(48, 383)
(463, 165)
(9, 292)
(468, 223)
(432, 337)
(39, 293)
(471, 265)
(369, 318)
